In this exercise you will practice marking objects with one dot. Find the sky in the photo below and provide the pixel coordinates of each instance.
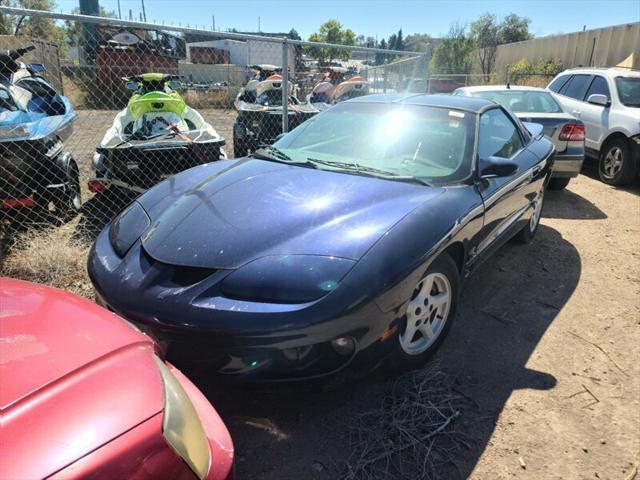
(374, 18)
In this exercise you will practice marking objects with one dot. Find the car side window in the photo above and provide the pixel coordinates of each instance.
(576, 87)
(558, 83)
(599, 86)
(498, 136)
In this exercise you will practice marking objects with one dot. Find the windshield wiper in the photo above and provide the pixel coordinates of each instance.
(275, 155)
(376, 172)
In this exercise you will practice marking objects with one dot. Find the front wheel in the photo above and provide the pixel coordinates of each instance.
(616, 167)
(428, 314)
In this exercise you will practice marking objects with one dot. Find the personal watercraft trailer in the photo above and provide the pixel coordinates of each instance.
(335, 87)
(259, 107)
(156, 136)
(36, 173)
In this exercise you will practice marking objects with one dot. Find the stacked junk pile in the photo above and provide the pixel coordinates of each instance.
(88, 123)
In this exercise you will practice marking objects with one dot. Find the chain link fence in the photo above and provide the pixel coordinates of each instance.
(93, 111)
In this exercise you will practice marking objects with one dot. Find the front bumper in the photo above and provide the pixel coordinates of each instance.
(248, 341)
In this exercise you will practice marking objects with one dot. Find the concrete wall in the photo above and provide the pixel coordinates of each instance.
(600, 47)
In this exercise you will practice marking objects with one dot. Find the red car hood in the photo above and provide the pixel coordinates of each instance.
(73, 377)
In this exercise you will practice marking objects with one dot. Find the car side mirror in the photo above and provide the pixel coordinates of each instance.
(599, 99)
(280, 136)
(493, 167)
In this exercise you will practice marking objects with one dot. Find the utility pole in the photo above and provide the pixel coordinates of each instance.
(258, 24)
(144, 13)
(213, 22)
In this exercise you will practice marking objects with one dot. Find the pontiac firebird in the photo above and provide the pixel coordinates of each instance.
(344, 243)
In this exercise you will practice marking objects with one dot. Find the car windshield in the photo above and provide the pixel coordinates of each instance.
(629, 90)
(522, 101)
(432, 144)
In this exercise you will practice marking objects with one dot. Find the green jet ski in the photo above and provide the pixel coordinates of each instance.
(156, 136)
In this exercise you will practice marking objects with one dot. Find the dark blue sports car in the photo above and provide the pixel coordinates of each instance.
(343, 243)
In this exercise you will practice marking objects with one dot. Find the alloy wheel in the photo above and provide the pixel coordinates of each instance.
(537, 211)
(612, 162)
(426, 313)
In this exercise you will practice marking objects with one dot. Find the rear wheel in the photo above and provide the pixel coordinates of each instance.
(428, 314)
(616, 167)
(529, 231)
(558, 183)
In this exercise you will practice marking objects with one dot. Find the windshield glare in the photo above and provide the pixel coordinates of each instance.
(629, 90)
(430, 143)
(521, 101)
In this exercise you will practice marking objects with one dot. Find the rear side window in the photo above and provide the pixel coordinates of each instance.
(558, 83)
(599, 86)
(499, 136)
(576, 87)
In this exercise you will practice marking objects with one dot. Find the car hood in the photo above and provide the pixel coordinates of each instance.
(256, 208)
(74, 376)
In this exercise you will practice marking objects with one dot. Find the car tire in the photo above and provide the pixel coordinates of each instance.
(428, 316)
(558, 183)
(529, 230)
(616, 165)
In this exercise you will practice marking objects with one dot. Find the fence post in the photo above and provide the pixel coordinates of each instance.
(285, 86)
(506, 74)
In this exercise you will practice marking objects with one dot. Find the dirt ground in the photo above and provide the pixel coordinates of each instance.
(544, 355)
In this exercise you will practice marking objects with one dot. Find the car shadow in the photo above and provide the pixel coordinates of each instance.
(565, 204)
(505, 309)
(590, 169)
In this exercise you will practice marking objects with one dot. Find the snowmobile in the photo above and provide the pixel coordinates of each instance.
(335, 87)
(259, 107)
(36, 173)
(157, 135)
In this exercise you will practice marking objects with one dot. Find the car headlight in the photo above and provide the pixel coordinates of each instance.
(181, 425)
(128, 228)
(286, 278)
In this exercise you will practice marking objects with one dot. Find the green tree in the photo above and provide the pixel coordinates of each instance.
(485, 33)
(515, 29)
(417, 42)
(331, 31)
(399, 41)
(381, 57)
(35, 27)
(453, 52)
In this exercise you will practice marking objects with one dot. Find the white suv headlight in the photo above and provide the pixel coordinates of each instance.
(181, 425)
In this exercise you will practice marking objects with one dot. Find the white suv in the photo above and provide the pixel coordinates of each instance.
(607, 100)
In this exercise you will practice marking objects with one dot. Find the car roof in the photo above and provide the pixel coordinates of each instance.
(611, 71)
(470, 104)
(498, 88)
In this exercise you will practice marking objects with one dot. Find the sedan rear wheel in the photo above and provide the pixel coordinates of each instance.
(428, 314)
